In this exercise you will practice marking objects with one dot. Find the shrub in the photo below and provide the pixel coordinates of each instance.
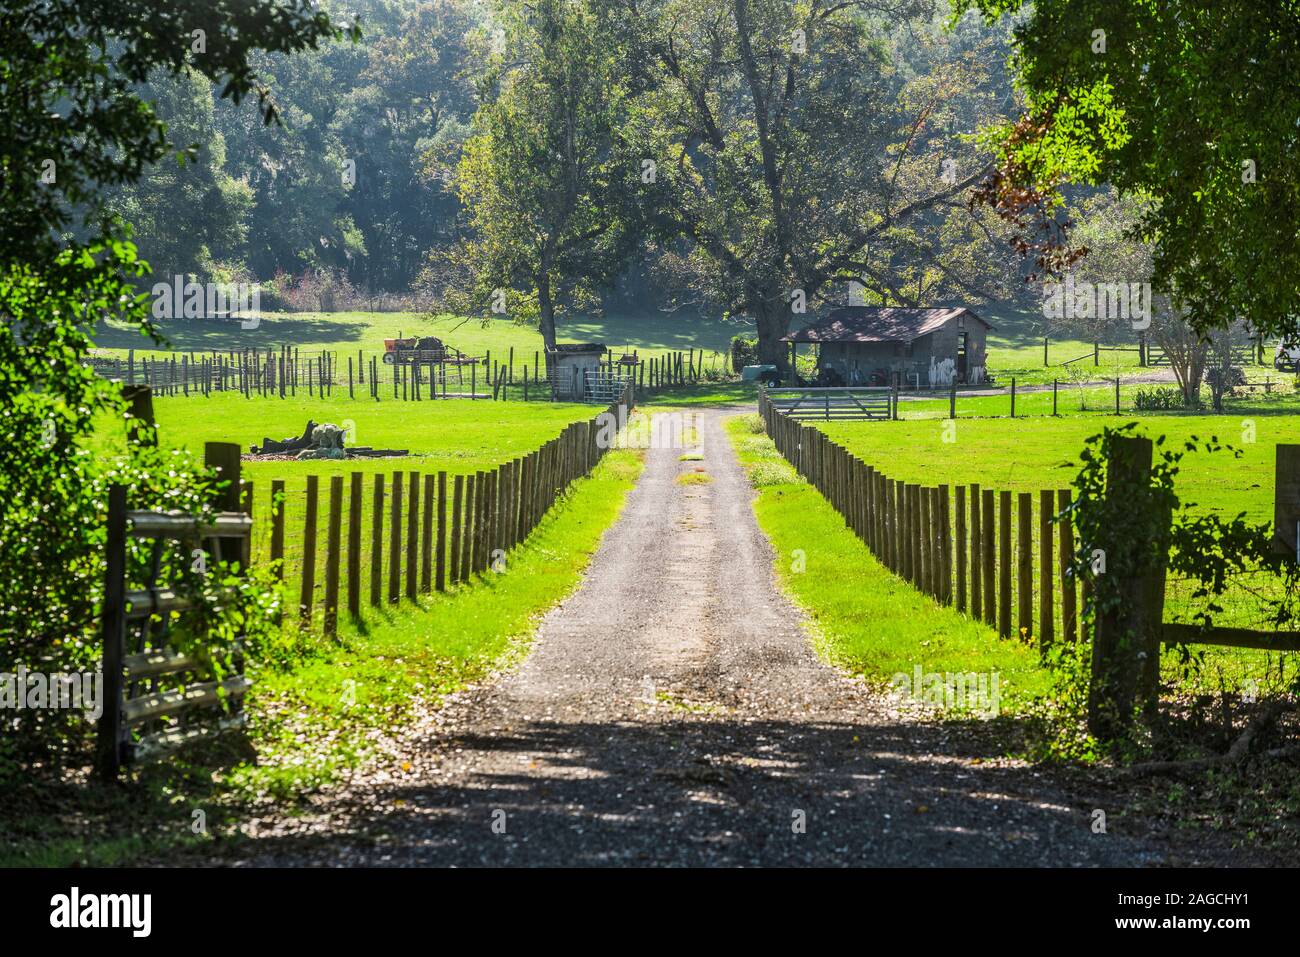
(744, 351)
(1158, 400)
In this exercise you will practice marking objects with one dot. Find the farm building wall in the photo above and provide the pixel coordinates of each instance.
(878, 363)
(567, 372)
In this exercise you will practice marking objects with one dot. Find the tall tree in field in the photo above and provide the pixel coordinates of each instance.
(791, 166)
(545, 177)
(1192, 103)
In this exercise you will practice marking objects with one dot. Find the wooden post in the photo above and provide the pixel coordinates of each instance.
(945, 548)
(1046, 557)
(306, 596)
(976, 549)
(1069, 613)
(277, 528)
(989, 585)
(1053, 397)
(413, 537)
(377, 539)
(426, 537)
(1126, 646)
(456, 507)
(354, 544)
(112, 630)
(1286, 501)
(395, 541)
(925, 542)
(1013, 397)
(1117, 412)
(1025, 565)
(333, 547)
(1004, 564)
(440, 545)
(142, 428)
(467, 531)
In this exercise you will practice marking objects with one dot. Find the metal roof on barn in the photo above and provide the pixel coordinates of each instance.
(577, 348)
(879, 324)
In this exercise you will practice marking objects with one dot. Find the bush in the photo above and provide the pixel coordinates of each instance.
(1158, 400)
(744, 351)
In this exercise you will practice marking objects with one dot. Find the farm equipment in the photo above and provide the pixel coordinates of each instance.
(424, 349)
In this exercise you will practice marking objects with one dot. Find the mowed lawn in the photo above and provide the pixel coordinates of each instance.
(1026, 455)
(650, 334)
(460, 437)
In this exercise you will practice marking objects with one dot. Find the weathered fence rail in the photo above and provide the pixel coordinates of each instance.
(835, 402)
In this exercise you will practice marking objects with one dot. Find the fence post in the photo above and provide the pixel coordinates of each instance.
(277, 528)
(395, 540)
(1013, 397)
(1025, 565)
(377, 540)
(976, 546)
(467, 536)
(988, 561)
(1046, 605)
(1126, 646)
(333, 547)
(440, 545)
(1004, 564)
(1069, 613)
(305, 595)
(959, 505)
(925, 541)
(426, 537)
(458, 500)
(413, 536)
(354, 543)
(108, 755)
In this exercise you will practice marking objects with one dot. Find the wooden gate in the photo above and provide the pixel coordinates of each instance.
(157, 699)
(839, 402)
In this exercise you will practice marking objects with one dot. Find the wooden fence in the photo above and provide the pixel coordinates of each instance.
(283, 372)
(998, 556)
(836, 402)
(157, 699)
(426, 532)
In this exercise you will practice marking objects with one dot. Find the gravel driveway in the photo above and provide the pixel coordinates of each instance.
(671, 712)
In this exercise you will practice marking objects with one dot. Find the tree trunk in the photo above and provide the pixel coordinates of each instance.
(773, 322)
(546, 321)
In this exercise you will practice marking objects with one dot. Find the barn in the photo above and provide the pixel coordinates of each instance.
(893, 345)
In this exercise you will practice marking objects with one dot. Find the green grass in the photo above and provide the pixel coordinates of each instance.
(1027, 455)
(650, 333)
(1023, 455)
(867, 620)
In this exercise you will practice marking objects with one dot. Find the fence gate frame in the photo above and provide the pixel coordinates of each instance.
(136, 656)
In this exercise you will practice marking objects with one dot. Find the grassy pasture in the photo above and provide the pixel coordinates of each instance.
(1026, 455)
(651, 334)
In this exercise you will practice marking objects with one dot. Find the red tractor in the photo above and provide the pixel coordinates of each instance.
(424, 349)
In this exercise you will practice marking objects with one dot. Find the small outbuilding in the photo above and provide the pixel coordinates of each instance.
(894, 345)
(568, 365)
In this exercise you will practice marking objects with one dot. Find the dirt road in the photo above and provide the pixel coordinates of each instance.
(671, 712)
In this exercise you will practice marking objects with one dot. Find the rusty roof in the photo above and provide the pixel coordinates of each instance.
(879, 324)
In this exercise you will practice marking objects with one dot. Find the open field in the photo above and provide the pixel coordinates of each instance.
(1023, 455)
(654, 334)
